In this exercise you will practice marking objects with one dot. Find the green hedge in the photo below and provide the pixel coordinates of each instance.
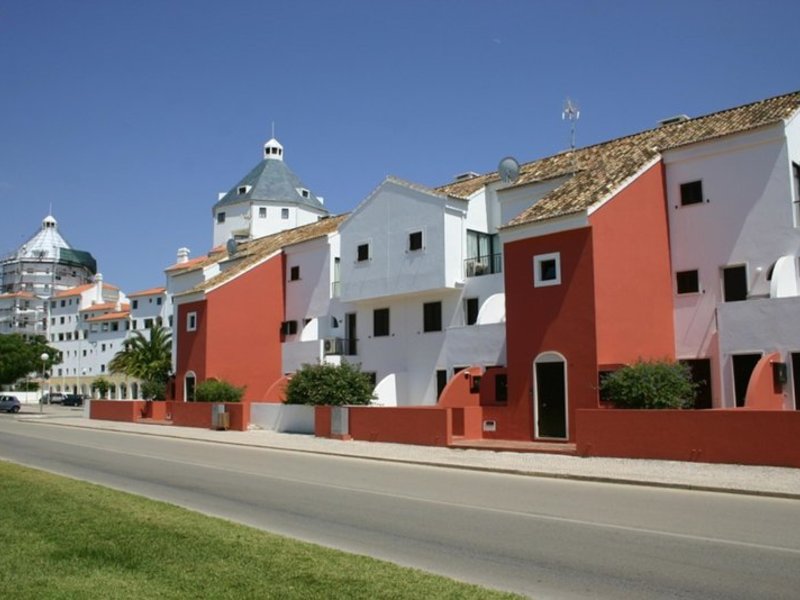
(326, 384)
(214, 390)
(651, 385)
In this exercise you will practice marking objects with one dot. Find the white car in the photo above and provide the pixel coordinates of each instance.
(9, 404)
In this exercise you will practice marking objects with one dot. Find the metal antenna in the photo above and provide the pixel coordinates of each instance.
(571, 113)
(273, 130)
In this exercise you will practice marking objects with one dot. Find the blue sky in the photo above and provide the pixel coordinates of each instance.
(130, 116)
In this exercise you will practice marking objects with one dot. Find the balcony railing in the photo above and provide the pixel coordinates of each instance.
(483, 265)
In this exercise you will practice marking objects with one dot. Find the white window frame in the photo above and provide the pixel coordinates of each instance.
(537, 270)
(191, 321)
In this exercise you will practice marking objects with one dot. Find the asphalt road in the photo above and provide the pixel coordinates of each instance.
(542, 537)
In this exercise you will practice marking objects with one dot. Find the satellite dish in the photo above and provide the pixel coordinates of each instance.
(232, 246)
(508, 169)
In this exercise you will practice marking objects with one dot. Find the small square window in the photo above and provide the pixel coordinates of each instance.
(289, 327)
(220, 217)
(262, 212)
(734, 283)
(284, 213)
(191, 321)
(362, 252)
(294, 274)
(415, 241)
(691, 193)
(547, 269)
(688, 282)
(243, 189)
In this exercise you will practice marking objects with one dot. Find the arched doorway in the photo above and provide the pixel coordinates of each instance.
(188, 386)
(550, 396)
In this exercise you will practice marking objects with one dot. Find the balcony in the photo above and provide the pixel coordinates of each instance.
(483, 265)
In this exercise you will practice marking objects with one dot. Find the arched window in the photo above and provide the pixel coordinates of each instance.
(134, 391)
(123, 391)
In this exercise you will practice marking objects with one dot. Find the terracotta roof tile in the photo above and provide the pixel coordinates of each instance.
(112, 316)
(596, 171)
(150, 292)
(199, 261)
(103, 306)
(251, 253)
(76, 291)
(26, 295)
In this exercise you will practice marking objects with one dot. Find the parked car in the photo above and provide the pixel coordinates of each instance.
(73, 400)
(9, 404)
(52, 398)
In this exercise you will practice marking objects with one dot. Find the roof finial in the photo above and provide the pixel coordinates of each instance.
(571, 113)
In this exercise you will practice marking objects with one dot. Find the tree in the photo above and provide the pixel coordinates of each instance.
(101, 386)
(657, 384)
(148, 359)
(326, 384)
(20, 356)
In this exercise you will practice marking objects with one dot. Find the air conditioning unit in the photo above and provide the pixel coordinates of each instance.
(331, 346)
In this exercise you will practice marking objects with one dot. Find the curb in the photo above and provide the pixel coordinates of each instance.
(502, 471)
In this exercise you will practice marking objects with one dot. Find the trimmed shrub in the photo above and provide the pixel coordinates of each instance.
(657, 384)
(215, 390)
(326, 384)
(101, 386)
(154, 390)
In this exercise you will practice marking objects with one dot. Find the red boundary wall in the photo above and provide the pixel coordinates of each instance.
(749, 437)
(199, 414)
(116, 410)
(420, 425)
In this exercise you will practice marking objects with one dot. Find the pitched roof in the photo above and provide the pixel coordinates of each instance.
(27, 295)
(149, 292)
(596, 171)
(104, 306)
(271, 181)
(251, 253)
(199, 261)
(112, 316)
(77, 290)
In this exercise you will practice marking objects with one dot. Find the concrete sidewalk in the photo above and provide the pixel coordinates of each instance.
(763, 481)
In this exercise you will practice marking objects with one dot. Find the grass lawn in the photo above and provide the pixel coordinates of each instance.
(62, 538)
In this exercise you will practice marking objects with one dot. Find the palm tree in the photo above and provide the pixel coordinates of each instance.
(146, 358)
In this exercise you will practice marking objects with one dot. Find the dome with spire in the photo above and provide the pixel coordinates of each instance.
(271, 180)
(45, 243)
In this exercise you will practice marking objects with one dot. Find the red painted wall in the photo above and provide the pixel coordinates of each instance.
(425, 426)
(557, 318)
(276, 393)
(243, 340)
(192, 345)
(199, 414)
(751, 437)
(762, 393)
(116, 410)
(632, 273)
(457, 391)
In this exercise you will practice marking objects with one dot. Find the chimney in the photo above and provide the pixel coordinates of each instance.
(183, 255)
(98, 289)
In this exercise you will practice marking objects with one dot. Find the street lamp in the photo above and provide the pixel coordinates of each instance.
(45, 357)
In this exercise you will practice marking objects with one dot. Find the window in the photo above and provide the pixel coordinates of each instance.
(102, 347)
(547, 269)
(220, 217)
(294, 273)
(734, 283)
(148, 323)
(362, 252)
(262, 212)
(191, 321)
(441, 381)
(415, 241)
(688, 282)
(63, 303)
(471, 307)
(501, 388)
(432, 316)
(115, 326)
(796, 179)
(289, 327)
(135, 304)
(691, 193)
(242, 189)
(159, 300)
(284, 213)
(380, 322)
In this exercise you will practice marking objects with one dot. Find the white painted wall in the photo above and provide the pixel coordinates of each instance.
(746, 220)
(385, 220)
(514, 200)
(283, 418)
